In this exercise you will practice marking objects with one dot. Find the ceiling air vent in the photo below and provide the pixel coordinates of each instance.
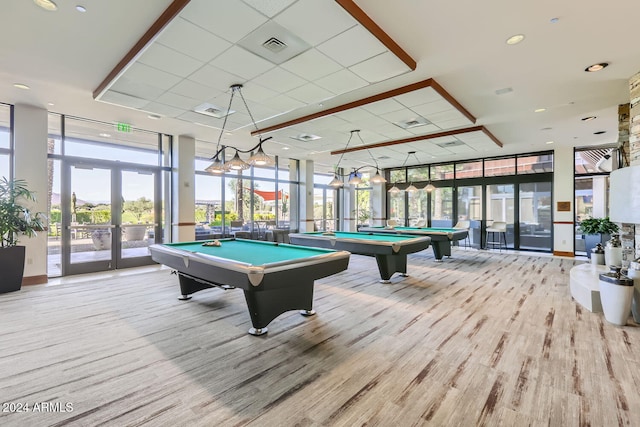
(304, 137)
(450, 144)
(412, 123)
(274, 45)
(212, 110)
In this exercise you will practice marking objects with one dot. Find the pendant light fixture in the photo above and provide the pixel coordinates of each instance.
(411, 188)
(258, 156)
(355, 177)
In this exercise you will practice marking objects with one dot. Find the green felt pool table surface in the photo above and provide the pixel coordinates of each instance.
(251, 252)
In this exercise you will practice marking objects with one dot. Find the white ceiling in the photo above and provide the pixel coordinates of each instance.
(65, 55)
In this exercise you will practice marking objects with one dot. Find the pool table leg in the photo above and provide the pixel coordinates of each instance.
(441, 248)
(266, 305)
(389, 264)
(189, 285)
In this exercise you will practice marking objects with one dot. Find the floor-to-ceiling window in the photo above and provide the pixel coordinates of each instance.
(5, 141)
(591, 189)
(107, 194)
(514, 189)
(325, 203)
(257, 202)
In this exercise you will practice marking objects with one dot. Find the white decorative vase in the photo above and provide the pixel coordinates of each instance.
(616, 295)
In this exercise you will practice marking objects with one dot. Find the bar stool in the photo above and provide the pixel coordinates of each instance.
(500, 228)
(464, 225)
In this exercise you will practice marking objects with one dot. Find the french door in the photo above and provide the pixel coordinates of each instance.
(110, 215)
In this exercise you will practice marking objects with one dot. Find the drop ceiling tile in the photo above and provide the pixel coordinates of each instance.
(279, 80)
(193, 117)
(300, 18)
(418, 97)
(178, 101)
(113, 97)
(341, 82)
(396, 133)
(262, 112)
(150, 76)
(383, 106)
(404, 114)
(163, 110)
(183, 36)
(381, 67)
(285, 103)
(257, 93)
(166, 59)
(242, 63)
(356, 115)
(431, 108)
(352, 46)
(137, 89)
(448, 115)
(215, 78)
(269, 8)
(450, 124)
(310, 93)
(424, 130)
(231, 20)
(311, 65)
(194, 90)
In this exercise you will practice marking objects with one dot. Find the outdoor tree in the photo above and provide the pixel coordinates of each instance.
(138, 207)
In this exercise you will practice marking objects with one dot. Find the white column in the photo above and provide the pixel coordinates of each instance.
(349, 208)
(30, 155)
(378, 204)
(306, 196)
(563, 221)
(183, 192)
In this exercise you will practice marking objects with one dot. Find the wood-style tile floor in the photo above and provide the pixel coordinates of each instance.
(484, 338)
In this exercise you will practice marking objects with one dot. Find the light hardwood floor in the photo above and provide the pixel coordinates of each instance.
(485, 338)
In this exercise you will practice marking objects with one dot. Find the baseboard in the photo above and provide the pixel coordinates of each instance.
(35, 280)
(569, 254)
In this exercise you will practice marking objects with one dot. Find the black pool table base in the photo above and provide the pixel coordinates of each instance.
(263, 305)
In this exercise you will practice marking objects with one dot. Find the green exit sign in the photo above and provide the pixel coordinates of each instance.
(123, 127)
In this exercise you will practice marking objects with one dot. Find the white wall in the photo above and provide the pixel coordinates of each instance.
(563, 225)
(183, 191)
(30, 132)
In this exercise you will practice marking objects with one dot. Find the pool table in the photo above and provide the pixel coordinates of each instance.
(441, 238)
(275, 277)
(390, 250)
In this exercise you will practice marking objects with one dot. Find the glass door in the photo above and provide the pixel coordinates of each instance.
(88, 229)
(470, 209)
(500, 207)
(139, 223)
(535, 216)
(442, 207)
(110, 216)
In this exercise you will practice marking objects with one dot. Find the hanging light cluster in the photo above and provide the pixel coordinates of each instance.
(411, 188)
(258, 156)
(355, 176)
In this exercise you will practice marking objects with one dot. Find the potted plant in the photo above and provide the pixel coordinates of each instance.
(15, 219)
(596, 230)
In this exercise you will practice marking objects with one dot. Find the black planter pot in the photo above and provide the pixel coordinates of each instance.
(12, 267)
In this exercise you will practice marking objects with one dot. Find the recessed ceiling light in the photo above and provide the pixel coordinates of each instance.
(547, 128)
(515, 39)
(596, 67)
(539, 110)
(47, 5)
(549, 142)
(588, 119)
(554, 20)
(600, 132)
(21, 86)
(51, 104)
(285, 148)
(81, 8)
(154, 116)
(105, 135)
